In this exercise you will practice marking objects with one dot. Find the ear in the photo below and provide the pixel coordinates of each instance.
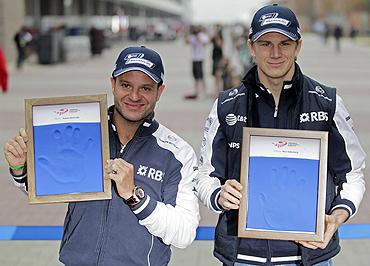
(298, 48)
(160, 91)
(251, 48)
(113, 83)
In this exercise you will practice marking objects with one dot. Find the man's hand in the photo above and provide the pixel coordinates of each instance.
(230, 195)
(15, 151)
(332, 223)
(122, 173)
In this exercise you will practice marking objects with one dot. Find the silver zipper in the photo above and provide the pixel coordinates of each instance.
(122, 148)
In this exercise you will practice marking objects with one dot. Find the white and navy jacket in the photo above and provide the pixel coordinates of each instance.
(110, 233)
(304, 104)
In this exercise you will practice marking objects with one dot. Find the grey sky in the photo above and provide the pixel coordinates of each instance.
(226, 11)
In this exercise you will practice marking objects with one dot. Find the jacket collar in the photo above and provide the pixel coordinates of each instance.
(147, 127)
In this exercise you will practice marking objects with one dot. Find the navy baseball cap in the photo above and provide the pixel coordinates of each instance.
(142, 59)
(274, 18)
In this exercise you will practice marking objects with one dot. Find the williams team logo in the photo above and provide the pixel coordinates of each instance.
(137, 58)
(320, 92)
(134, 55)
(233, 92)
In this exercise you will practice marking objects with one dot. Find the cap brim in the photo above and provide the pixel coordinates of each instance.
(256, 36)
(120, 71)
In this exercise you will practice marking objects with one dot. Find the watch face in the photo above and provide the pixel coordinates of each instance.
(139, 192)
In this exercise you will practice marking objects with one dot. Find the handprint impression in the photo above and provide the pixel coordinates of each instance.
(284, 194)
(65, 162)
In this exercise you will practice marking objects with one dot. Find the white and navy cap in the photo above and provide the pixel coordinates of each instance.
(274, 18)
(142, 59)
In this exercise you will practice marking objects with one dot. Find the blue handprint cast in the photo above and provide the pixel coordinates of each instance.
(282, 194)
(68, 158)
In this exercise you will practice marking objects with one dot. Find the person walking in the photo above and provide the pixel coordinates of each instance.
(338, 34)
(153, 205)
(22, 38)
(276, 94)
(198, 41)
(217, 57)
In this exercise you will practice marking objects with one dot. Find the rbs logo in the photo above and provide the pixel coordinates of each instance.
(151, 173)
(313, 117)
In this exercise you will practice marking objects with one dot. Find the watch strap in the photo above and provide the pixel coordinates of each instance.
(137, 195)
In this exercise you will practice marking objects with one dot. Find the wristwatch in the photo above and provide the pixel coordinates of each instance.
(137, 195)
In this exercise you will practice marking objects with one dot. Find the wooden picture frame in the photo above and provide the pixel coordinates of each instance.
(283, 173)
(67, 148)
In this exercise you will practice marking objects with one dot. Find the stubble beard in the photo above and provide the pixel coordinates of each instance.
(124, 117)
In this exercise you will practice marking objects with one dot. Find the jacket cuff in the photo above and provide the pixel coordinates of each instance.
(214, 200)
(144, 208)
(344, 204)
(18, 176)
(20, 180)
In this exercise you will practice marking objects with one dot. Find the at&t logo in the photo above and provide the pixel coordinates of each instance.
(231, 119)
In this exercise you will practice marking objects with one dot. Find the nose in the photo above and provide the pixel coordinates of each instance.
(134, 94)
(275, 53)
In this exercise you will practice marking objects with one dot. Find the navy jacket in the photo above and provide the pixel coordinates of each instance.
(304, 104)
(110, 233)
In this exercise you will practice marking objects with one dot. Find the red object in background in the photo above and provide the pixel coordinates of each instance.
(3, 72)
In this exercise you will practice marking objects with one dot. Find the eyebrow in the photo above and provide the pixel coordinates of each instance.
(141, 85)
(286, 40)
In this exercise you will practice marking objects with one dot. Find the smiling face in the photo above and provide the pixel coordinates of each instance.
(275, 55)
(135, 95)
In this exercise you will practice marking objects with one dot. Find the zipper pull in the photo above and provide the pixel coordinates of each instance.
(276, 112)
(122, 148)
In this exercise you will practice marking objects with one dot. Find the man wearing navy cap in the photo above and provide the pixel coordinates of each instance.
(276, 94)
(153, 205)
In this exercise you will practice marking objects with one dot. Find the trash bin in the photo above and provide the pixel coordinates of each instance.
(50, 48)
(97, 40)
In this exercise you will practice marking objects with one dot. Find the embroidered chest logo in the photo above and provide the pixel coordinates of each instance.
(151, 173)
(232, 119)
(234, 145)
(313, 117)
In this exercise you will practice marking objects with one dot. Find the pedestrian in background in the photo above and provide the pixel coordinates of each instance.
(276, 94)
(198, 41)
(217, 57)
(22, 38)
(338, 34)
(243, 51)
(3, 72)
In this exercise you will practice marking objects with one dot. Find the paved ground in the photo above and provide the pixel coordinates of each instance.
(349, 71)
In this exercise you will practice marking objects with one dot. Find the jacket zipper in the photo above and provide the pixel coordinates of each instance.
(269, 253)
(276, 116)
(276, 111)
(123, 151)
